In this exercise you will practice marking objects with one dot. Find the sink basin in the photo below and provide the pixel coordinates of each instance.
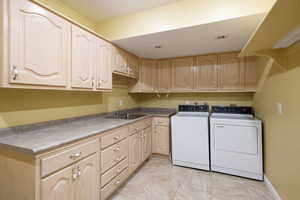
(125, 116)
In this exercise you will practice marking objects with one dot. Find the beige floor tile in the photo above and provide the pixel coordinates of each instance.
(158, 179)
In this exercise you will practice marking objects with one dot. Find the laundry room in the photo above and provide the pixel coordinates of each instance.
(149, 99)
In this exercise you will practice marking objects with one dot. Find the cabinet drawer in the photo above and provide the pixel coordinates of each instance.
(115, 171)
(114, 136)
(60, 160)
(114, 154)
(114, 184)
(140, 125)
(161, 121)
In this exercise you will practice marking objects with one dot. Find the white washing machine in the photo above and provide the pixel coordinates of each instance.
(236, 142)
(190, 137)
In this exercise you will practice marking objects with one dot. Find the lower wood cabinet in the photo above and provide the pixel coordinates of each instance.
(161, 136)
(76, 182)
(135, 151)
(90, 169)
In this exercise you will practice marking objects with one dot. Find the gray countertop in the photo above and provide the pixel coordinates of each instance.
(37, 138)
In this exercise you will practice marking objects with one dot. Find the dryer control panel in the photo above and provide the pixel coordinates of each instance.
(232, 109)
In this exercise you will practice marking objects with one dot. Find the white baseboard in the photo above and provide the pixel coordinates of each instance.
(271, 188)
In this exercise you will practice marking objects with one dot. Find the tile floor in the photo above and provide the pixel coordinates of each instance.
(159, 180)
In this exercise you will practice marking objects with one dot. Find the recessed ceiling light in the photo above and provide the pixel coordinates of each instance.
(220, 37)
(158, 46)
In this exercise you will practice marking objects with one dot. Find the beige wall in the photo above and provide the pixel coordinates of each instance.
(281, 131)
(19, 107)
(179, 14)
(151, 100)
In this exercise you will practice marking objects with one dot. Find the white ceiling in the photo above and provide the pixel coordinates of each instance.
(194, 40)
(102, 9)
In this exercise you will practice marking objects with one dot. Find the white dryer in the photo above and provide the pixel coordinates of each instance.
(190, 137)
(236, 142)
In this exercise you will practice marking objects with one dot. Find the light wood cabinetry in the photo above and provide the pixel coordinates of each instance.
(148, 76)
(133, 66)
(92, 168)
(119, 61)
(231, 72)
(42, 50)
(76, 182)
(206, 73)
(33, 59)
(182, 74)
(104, 65)
(161, 136)
(164, 75)
(146, 143)
(59, 186)
(135, 151)
(84, 58)
(251, 77)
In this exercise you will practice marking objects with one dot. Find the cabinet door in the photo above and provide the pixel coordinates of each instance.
(135, 151)
(84, 58)
(104, 65)
(206, 76)
(58, 186)
(231, 72)
(87, 183)
(162, 140)
(164, 75)
(250, 73)
(147, 143)
(39, 45)
(183, 76)
(119, 61)
(132, 66)
(148, 75)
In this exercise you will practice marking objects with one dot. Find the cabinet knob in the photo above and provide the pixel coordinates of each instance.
(117, 149)
(117, 138)
(117, 182)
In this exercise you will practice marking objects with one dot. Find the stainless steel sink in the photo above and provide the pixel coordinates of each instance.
(126, 116)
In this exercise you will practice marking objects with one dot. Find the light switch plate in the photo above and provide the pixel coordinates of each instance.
(120, 102)
(279, 108)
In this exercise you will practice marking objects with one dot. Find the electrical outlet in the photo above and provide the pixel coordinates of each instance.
(120, 102)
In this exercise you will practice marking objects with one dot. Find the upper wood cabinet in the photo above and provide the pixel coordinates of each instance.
(206, 73)
(133, 66)
(164, 75)
(84, 58)
(104, 65)
(231, 72)
(182, 74)
(148, 76)
(39, 45)
(119, 61)
(250, 78)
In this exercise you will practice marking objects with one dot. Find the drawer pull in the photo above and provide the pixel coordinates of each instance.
(117, 138)
(78, 171)
(75, 156)
(220, 126)
(117, 182)
(117, 149)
